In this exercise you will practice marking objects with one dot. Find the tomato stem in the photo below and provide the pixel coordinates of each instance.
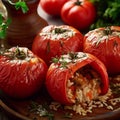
(78, 2)
(59, 30)
(19, 54)
(107, 31)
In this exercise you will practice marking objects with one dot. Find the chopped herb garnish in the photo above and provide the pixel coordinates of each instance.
(64, 60)
(20, 5)
(3, 26)
(68, 115)
(55, 60)
(40, 110)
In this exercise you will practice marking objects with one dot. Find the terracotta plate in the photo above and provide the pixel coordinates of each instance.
(28, 109)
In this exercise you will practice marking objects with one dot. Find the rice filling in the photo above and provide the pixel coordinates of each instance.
(84, 85)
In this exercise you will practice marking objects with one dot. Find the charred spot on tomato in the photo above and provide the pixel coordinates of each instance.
(115, 44)
(84, 85)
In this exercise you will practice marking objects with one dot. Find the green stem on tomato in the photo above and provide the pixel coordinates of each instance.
(59, 30)
(107, 31)
(78, 2)
(20, 54)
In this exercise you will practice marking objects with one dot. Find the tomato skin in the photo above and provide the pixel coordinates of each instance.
(48, 44)
(21, 78)
(105, 47)
(79, 16)
(56, 78)
(52, 7)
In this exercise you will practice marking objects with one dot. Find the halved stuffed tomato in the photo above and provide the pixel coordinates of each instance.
(76, 77)
(55, 40)
(21, 72)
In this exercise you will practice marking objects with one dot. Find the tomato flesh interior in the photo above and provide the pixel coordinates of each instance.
(84, 85)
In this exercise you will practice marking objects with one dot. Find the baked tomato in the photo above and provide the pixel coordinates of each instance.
(105, 44)
(54, 40)
(52, 7)
(76, 77)
(78, 13)
(21, 72)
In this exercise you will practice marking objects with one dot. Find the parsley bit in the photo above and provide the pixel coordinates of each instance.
(20, 5)
(40, 110)
(68, 115)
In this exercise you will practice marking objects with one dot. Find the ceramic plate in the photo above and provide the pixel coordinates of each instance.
(30, 109)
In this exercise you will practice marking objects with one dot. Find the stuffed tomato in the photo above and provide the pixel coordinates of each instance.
(55, 40)
(21, 72)
(105, 44)
(76, 77)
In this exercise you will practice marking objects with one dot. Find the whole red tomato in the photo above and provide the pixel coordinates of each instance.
(21, 72)
(78, 13)
(105, 44)
(75, 72)
(54, 40)
(52, 7)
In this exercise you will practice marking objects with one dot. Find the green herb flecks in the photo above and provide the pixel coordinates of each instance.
(62, 63)
(3, 26)
(20, 5)
(40, 110)
(71, 57)
(55, 60)
(68, 115)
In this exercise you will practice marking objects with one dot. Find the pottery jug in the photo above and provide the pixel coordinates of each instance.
(24, 26)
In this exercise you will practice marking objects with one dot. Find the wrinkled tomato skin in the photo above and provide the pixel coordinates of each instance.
(79, 16)
(108, 50)
(21, 78)
(52, 7)
(56, 78)
(48, 47)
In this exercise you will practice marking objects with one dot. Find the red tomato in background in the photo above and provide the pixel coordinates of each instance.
(105, 44)
(52, 7)
(52, 41)
(63, 70)
(78, 13)
(21, 72)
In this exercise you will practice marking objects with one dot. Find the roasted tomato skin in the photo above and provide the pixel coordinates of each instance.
(105, 44)
(57, 76)
(21, 78)
(78, 13)
(55, 40)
